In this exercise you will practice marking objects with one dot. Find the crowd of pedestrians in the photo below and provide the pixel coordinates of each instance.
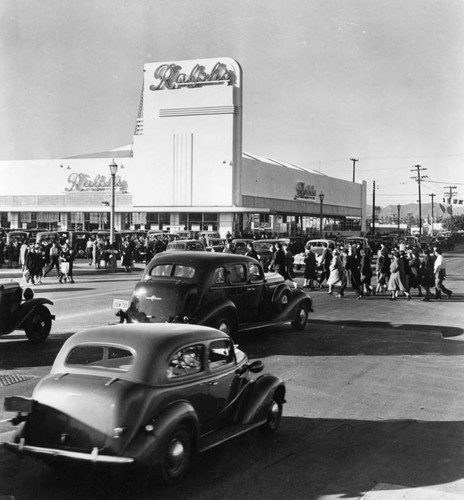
(398, 271)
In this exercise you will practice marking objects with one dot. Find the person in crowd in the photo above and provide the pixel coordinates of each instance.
(203, 240)
(126, 255)
(326, 259)
(13, 252)
(426, 274)
(352, 276)
(228, 247)
(383, 270)
(365, 269)
(251, 252)
(439, 271)
(396, 282)
(280, 261)
(67, 260)
(89, 250)
(272, 253)
(54, 260)
(23, 249)
(288, 263)
(337, 271)
(310, 272)
(414, 271)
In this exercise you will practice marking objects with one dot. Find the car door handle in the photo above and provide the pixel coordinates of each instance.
(251, 288)
(212, 383)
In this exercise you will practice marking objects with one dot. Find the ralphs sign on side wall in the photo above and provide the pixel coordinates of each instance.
(190, 151)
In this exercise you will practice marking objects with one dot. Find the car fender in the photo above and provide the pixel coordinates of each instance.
(28, 307)
(259, 394)
(288, 314)
(206, 315)
(148, 446)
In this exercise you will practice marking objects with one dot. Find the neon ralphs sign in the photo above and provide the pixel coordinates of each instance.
(171, 76)
(83, 182)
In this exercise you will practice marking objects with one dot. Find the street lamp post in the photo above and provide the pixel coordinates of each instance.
(113, 169)
(399, 208)
(321, 198)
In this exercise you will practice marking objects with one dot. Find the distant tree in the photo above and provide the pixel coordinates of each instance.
(458, 223)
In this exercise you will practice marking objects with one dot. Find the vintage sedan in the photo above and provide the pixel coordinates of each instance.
(226, 291)
(20, 310)
(148, 396)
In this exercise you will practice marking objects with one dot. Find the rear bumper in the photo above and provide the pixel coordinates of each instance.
(93, 457)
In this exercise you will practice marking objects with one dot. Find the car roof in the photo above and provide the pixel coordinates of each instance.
(153, 343)
(200, 257)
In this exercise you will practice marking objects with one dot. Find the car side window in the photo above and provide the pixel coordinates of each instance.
(237, 273)
(221, 353)
(185, 361)
(219, 277)
(255, 273)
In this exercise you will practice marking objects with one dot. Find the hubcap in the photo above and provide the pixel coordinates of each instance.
(223, 327)
(176, 455)
(273, 416)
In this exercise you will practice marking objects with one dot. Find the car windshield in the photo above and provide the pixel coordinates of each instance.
(173, 270)
(262, 246)
(101, 356)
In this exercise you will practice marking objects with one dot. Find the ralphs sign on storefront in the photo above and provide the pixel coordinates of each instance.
(192, 133)
(171, 76)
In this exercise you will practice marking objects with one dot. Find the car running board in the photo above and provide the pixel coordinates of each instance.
(222, 435)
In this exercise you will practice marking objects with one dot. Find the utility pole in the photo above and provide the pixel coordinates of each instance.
(418, 179)
(432, 196)
(354, 160)
(450, 194)
(373, 208)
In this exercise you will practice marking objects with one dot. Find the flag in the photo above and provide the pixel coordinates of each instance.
(450, 210)
(443, 209)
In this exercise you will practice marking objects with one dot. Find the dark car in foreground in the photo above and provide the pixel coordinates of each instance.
(148, 396)
(20, 310)
(230, 292)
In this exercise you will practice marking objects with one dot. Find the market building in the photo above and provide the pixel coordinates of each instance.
(185, 169)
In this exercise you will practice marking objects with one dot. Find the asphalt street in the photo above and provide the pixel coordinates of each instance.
(374, 403)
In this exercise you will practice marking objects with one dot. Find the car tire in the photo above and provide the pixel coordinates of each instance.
(282, 301)
(273, 417)
(226, 323)
(177, 456)
(38, 324)
(302, 314)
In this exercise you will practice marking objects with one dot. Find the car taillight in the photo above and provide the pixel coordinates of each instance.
(118, 432)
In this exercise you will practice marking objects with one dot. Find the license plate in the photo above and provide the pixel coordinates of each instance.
(19, 404)
(120, 304)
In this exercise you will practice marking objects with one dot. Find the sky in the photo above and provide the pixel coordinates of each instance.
(324, 81)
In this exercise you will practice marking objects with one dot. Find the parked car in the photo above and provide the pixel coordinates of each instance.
(144, 396)
(240, 245)
(263, 249)
(357, 240)
(226, 291)
(19, 310)
(185, 245)
(216, 244)
(317, 246)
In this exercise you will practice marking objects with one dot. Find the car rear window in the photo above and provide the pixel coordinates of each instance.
(174, 270)
(101, 356)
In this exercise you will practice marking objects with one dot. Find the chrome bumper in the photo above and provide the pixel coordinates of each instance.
(92, 457)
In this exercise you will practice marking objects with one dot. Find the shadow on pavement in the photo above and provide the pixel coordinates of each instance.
(307, 458)
(346, 339)
(17, 352)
